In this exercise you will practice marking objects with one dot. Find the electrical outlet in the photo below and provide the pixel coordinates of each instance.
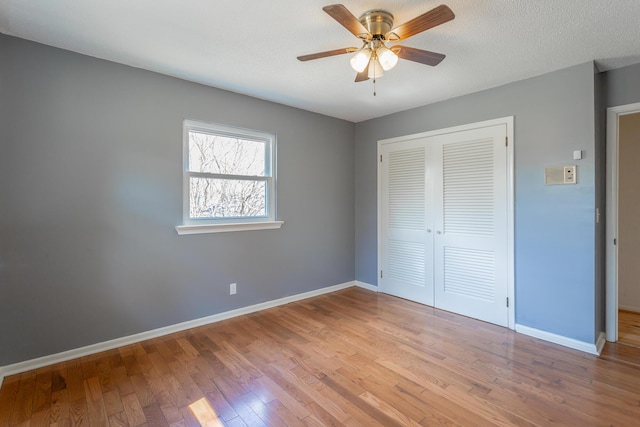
(569, 174)
(232, 289)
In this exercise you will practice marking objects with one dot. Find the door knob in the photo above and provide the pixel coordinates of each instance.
(428, 230)
(438, 232)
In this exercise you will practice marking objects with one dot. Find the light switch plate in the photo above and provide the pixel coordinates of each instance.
(570, 175)
(577, 155)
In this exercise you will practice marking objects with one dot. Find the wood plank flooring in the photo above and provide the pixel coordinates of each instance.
(629, 328)
(353, 357)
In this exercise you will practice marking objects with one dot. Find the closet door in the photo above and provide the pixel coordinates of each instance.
(470, 245)
(406, 215)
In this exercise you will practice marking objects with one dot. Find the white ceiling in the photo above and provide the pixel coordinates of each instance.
(250, 46)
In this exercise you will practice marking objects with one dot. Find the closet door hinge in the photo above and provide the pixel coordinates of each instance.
(380, 158)
(507, 301)
(506, 141)
(381, 274)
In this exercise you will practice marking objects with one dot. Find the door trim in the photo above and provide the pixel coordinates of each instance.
(611, 298)
(508, 122)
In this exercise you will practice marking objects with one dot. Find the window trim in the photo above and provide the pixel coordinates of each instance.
(216, 225)
(223, 228)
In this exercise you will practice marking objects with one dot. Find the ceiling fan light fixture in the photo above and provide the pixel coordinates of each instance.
(360, 60)
(387, 58)
(374, 29)
(375, 69)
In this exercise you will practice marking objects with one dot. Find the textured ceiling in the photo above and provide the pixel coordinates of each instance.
(250, 46)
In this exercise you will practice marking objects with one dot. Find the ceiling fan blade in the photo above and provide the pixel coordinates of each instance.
(347, 20)
(433, 18)
(334, 52)
(418, 55)
(362, 76)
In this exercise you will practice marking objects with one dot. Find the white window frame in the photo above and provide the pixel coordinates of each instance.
(217, 225)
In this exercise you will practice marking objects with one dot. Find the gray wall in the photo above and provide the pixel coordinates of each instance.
(554, 225)
(91, 189)
(622, 86)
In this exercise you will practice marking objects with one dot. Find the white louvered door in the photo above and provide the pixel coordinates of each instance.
(443, 222)
(470, 246)
(407, 269)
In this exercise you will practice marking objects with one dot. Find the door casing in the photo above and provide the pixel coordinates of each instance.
(611, 316)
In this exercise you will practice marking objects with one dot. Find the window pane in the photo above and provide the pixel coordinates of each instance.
(225, 155)
(219, 198)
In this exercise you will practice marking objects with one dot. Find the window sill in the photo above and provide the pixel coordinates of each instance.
(223, 228)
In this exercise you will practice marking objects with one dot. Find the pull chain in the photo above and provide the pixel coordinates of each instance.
(374, 75)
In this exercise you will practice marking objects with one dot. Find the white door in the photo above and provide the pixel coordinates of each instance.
(407, 267)
(443, 221)
(470, 246)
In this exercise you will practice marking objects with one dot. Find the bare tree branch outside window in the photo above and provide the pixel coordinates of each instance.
(228, 182)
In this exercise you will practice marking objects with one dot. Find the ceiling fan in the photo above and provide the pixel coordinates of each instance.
(375, 29)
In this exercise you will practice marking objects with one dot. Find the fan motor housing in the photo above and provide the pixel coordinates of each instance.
(377, 22)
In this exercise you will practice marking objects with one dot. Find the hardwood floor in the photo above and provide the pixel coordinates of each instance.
(353, 357)
(629, 328)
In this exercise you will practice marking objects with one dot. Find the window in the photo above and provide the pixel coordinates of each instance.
(229, 179)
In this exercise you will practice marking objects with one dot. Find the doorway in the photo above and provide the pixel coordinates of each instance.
(623, 226)
(445, 219)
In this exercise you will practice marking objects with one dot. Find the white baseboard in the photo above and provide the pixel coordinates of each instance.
(562, 340)
(628, 308)
(366, 286)
(29, 365)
